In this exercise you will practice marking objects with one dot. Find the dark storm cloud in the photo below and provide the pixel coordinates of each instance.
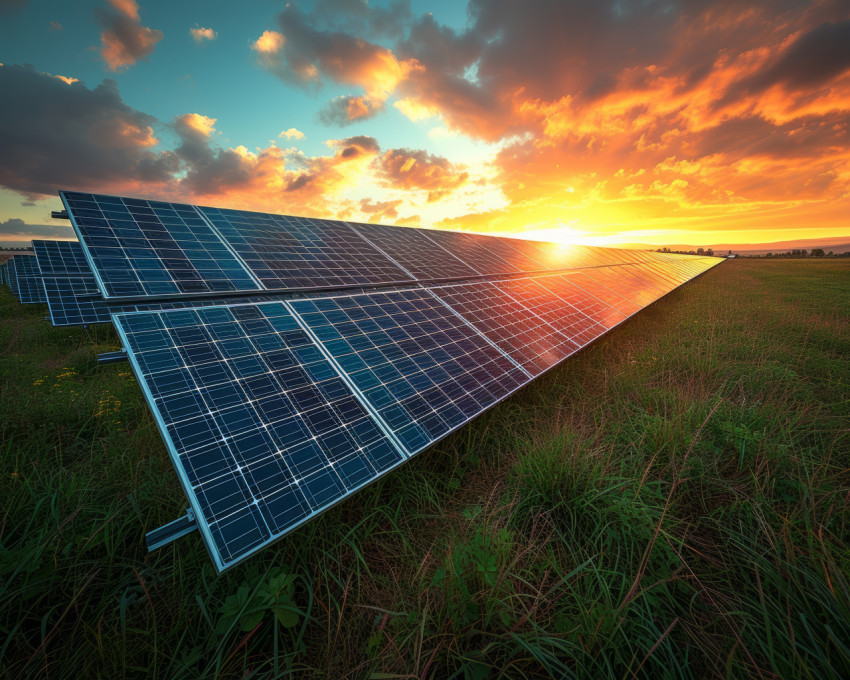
(55, 135)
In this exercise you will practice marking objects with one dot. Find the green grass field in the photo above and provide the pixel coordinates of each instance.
(673, 502)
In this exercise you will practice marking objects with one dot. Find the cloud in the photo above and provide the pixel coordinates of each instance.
(302, 54)
(200, 34)
(124, 40)
(811, 61)
(380, 211)
(348, 109)
(55, 26)
(292, 133)
(61, 135)
(417, 169)
(15, 228)
(64, 135)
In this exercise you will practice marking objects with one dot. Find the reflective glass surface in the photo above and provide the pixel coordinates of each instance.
(264, 432)
(298, 252)
(148, 248)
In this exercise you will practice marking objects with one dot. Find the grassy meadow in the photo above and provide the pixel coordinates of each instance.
(672, 502)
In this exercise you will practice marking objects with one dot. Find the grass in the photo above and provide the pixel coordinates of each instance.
(670, 503)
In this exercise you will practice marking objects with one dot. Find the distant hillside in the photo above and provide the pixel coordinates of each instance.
(837, 244)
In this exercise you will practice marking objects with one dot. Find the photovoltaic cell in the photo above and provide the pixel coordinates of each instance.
(297, 252)
(142, 248)
(511, 325)
(12, 275)
(590, 282)
(61, 258)
(477, 252)
(413, 250)
(422, 368)
(573, 323)
(29, 287)
(75, 301)
(603, 314)
(262, 429)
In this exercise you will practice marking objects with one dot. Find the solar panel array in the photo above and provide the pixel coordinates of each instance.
(28, 288)
(350, 347)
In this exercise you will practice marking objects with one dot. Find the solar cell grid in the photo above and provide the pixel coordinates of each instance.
(59, 258)
(601, 313)
(140, 248)
(590, 281)
(512, 326)
(474, 252)
(75, 301)
(264, 430)
(29, 287)
(576, 326)
(415, 252)
(422, 368)
(13, 275)
(297, 252)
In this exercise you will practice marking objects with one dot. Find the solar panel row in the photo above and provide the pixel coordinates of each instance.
(139, 249)
(28, 286)
(274, 411)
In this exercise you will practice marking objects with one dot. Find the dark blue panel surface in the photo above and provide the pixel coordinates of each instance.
(147, 248)
(28, 285)
(61, 258)
(263, 431)
(486, 254)
(511, 325)
(75, 301)
(415, 252)
(298, 252)
(422, 368)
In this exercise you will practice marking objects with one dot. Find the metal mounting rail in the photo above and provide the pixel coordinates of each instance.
(171, 531)
(112, 357)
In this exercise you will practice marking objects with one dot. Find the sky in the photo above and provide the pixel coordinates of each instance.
(604, 122)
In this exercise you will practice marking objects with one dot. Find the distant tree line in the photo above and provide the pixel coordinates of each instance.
(699, 251)
(795, 253)
(801, 252)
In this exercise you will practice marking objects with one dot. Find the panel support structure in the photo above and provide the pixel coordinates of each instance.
(171, 531)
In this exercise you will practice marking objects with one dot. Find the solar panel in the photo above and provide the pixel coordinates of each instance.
(573, 323)
(415, 252)
(150, 248)
(475, 250)
(424, 370)
(29, 286)
(274, 411)
(600, 312)
(263, 431)
(297, 252)
(60, 258)
(12, 274)
(75, 301)
(514, 327)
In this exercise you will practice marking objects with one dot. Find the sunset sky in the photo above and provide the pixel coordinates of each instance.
(611, 121)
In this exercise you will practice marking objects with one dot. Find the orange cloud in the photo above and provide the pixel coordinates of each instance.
(124, 40)
(200, 34)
